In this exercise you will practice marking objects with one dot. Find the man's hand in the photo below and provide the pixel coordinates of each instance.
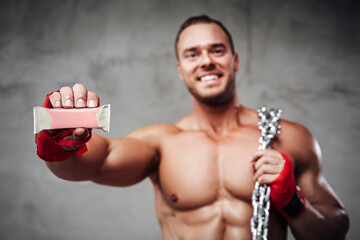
(59, 145)
(268, 164)
(79, 97)
(275, 169)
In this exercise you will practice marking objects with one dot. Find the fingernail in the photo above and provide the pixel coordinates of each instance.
(92, 103)
(79, 134)
(57, 104)
(68, 103)
(80, 103)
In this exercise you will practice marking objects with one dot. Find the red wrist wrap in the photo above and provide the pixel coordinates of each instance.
(49, 147)
(284, 195)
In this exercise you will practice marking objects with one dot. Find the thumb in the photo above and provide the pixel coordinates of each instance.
(80, 134)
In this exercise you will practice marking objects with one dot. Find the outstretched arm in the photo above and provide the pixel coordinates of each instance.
(121, 162)
(116, 162)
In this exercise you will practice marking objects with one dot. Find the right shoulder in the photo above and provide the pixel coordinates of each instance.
(153, 134)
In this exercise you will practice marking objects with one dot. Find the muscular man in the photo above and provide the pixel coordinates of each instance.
(204, 167)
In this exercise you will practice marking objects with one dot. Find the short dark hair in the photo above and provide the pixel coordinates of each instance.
(202, 19)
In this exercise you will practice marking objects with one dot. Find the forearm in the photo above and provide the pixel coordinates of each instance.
(84, 167)
(320, 222)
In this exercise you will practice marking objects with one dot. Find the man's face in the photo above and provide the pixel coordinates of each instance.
(206, 64)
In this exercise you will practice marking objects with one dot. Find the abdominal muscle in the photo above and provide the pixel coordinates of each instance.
(223, 219)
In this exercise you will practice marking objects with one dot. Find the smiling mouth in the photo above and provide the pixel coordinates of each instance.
(209, 77)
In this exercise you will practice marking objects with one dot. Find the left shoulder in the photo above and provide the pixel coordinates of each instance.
(299, 143)
(291, 130)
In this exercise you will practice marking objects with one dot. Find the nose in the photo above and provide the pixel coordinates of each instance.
(206, 60)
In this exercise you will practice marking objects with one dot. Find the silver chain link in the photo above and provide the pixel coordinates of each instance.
(269, 126)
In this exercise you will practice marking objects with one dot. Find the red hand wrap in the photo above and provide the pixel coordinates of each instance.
(284, 195)
(49, 147)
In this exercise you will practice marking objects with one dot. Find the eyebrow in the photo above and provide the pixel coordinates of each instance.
(218, 45)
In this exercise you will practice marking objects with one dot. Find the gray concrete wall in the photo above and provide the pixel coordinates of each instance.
(302, 56)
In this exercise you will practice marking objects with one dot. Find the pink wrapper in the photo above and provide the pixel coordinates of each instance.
(58, 118)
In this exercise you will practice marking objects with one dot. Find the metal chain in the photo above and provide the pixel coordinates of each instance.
(270, 128)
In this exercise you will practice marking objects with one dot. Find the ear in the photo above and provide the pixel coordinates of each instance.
(236, 62)
(179, 70)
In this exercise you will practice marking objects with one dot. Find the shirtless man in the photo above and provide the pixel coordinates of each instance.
(204, 167)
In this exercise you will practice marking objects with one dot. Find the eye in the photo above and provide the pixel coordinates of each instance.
(219, 51)
(190, 55)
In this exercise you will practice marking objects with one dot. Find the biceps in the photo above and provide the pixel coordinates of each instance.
(317, 190)
(128, 162)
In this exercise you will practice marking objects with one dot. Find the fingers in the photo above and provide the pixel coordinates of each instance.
(267, 158)
(84, 98)
(269, 152)
(92, 100)
(266, 173)
(67, 97)
(268, 165)
(77, 96)
(266, 178)
(80, 95)
(55, 100)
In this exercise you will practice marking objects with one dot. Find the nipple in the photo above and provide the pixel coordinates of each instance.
(173, 198)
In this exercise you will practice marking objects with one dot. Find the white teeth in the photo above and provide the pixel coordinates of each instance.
(208, 78)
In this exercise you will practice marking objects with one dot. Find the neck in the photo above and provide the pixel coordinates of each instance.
(217, 119)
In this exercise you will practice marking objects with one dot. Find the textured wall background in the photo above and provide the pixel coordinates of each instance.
(302, 56)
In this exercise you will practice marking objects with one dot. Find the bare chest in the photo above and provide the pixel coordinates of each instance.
(196, 170)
